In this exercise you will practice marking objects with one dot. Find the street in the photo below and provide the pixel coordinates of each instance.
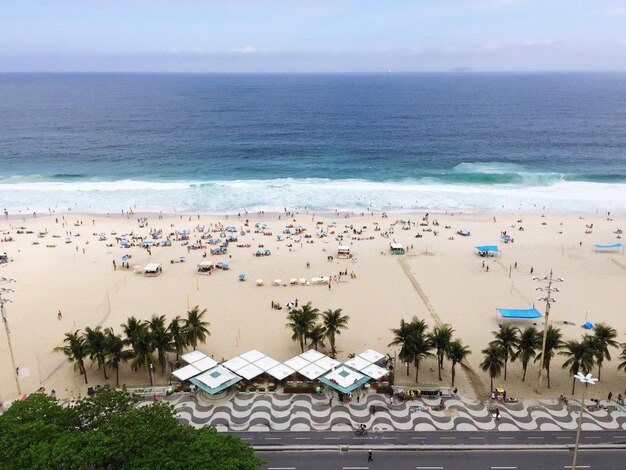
(443, 460)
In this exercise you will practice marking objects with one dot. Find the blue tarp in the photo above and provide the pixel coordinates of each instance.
(514, 313)
(609, 247)
(488, 248)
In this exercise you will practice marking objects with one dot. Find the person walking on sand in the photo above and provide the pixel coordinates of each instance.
(114, 266)
(369, 456)
(60, 315)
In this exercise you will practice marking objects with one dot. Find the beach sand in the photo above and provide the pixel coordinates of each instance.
(440, 279)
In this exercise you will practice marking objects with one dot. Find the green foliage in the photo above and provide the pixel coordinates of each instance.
(108, 431)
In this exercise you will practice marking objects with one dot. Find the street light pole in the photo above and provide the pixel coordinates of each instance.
(548, 300)
(3, 313)
(587, 380)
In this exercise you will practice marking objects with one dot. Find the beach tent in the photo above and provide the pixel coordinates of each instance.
(396, 249)
(343, 252)
(614, 246)
(528, 313)
(152, 269)
(487, 250)
(205, 267)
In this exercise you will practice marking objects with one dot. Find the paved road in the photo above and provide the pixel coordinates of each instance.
(443, 460)
(436, 438)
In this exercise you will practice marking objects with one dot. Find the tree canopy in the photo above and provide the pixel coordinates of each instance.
(108, 430)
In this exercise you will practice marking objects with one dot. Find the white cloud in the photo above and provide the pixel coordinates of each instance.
(245, 50)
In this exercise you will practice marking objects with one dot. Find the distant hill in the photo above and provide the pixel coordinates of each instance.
(461, 69)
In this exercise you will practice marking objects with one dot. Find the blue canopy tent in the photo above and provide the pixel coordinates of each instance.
(528, 313)
(485, 250)
(614, 246)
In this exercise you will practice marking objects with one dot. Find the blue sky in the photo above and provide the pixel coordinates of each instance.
(311, 35)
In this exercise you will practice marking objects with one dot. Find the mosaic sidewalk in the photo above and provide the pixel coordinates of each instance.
(294, 412)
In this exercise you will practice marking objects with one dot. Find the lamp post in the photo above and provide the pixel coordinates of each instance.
(548, 299)
(151, 368)
(3, 313)
(587, 380)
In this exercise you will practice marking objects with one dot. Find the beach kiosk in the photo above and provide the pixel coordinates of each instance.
(343, 252)
(396, 249)
(152, 269)
(205, 267)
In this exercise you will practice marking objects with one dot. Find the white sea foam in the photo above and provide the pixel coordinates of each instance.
(315, 194)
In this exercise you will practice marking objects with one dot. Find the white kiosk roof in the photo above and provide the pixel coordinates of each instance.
(193, 356)
(205, 363)
(185, 373)
(215, 377)
(327, 363)
(358, 363)
(344, 376)
(297, 363)
(252, 355)
(374, 371)
(235, 363)
(280, 371)
(266, 363)
(311, 355)
(371, 356)
(312, 371)
(249, 372)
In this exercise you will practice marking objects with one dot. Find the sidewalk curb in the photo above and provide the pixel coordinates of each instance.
(428, 448)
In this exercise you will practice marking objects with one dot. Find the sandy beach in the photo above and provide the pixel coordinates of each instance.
(440, 279)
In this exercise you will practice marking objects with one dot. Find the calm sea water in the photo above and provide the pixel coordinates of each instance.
(218, 143)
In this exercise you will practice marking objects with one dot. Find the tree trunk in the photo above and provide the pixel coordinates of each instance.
(524, 367)
(104, 367)
(548, 375)
(599, 369)
(407, 367)
(417, 371)
(84, 371)
(150, 374)
(573, 385)
(491, 382)
(505, 361)
(117, 376)
(439, 361)
(453, 372)
(302, 344)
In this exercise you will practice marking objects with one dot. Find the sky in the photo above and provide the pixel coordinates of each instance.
(312, 35)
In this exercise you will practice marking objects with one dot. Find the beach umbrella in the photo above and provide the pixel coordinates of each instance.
(242, 277)
(124, 258)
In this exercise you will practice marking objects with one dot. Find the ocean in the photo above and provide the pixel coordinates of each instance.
(227, 143)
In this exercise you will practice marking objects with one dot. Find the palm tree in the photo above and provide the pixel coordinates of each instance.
(493, 361)
(143, 350)
(529, 341)
(457, 353)
(507, 338)
(131, 327)
(603, 339)
(196, 329)
(334, 322)
(402, 337)
(316, 337)
(95, 343)
(622, 356)
(440, 339)
(76, 351)
(161, 338)
(580, 356)
(302, 322)
(420, 347)
(177, 336)
(553, 344)
(115, 352)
